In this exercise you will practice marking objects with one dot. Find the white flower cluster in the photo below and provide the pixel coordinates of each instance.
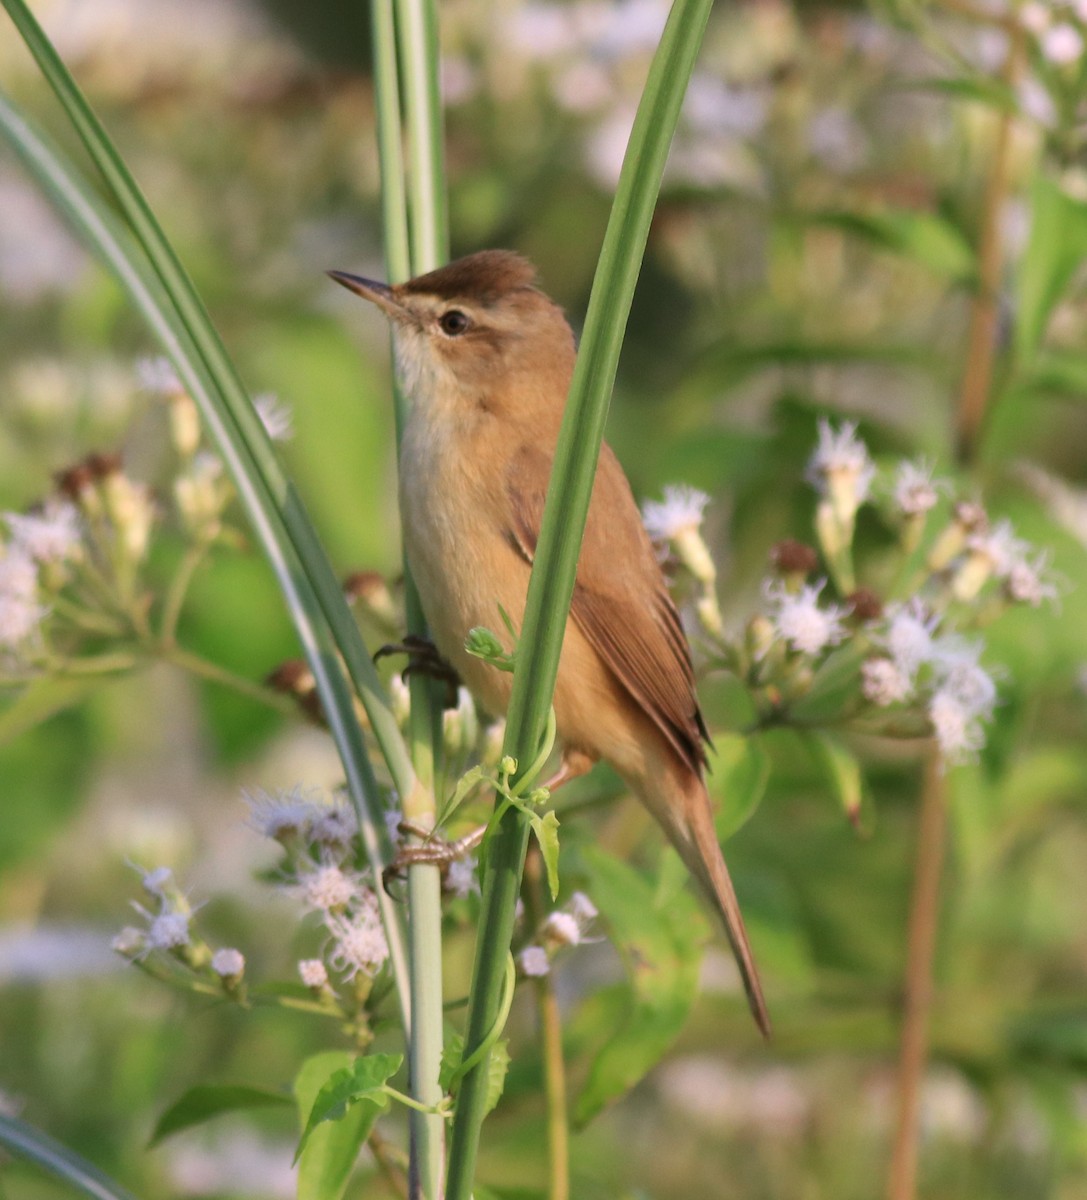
(319, 839)
(568, 926)
(43, 540)
(169, 931)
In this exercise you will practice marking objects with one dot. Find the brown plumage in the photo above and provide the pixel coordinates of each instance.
(486, 359)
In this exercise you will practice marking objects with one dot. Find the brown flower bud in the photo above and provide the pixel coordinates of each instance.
(865, 605)
(791, 557)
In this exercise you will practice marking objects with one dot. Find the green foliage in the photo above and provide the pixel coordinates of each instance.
(206, 1101)
(661, 947)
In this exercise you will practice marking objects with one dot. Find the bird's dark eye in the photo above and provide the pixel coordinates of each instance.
(454, 322)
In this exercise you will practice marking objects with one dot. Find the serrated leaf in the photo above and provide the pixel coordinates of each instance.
(741, 771)
(661, 948)
(326, 1161)
(206, 1101)
(546, 829)
(841, 768)
(360, 1083)
(1055, 250)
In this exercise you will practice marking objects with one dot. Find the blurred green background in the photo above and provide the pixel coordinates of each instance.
(814, 252)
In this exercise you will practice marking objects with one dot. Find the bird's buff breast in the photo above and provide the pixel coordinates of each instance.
(465, 568)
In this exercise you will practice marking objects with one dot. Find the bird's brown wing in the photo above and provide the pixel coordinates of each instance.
(620, 601)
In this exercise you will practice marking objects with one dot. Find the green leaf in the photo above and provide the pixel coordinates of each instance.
(360, 1083)
(927, 238)
(1055, 251)
(326, 1161)
(741, 771)
(465, 785)
(497, 1068)
(205, 1101)
(42, 699)
(841, 768)
(37, 1147)
(546, 829)
(661, 946)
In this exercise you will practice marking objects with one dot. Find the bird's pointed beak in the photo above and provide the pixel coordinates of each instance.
(370, 289)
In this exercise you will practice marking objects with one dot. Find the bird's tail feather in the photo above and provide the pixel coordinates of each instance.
(687, 818)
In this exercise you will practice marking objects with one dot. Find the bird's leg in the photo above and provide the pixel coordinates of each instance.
(433, 851)
(572, 764)
(424, 659)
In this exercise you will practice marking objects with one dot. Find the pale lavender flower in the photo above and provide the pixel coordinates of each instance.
(1062, 44)
(18, 574)
(915, 491)
(1035, 17)
(158, 882)
(562, 929)
(841, 461)
(999, 546)
(884, 682)
(533, 961)
(359, 943)
(460, 878)
(957, 730)
(327, 887)
(51, 536)
(275, 416)
(313, 973)
(228, 963)
(582, 909)
(280, 815)
(19, 620)
(679, 512)
(909, 636)
(1027, 582)
(130, 942)
(960, 676)
(334, 824)
(157, 375)
(837, 140)
(800, 621)
(168, 930)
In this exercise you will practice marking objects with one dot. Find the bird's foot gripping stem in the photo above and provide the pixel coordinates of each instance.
(431, 851)
(424, 659)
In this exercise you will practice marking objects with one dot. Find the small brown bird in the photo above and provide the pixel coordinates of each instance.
(486, 360)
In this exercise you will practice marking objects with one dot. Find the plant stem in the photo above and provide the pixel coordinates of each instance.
(214, 673)
(410, 26)
(554, 1065)
(918, 989)
(984, 311)
(178, 590)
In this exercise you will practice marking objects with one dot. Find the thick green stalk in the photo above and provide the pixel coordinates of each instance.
(35, 1146)
(552, 582)
(408, 251)
(164, 296)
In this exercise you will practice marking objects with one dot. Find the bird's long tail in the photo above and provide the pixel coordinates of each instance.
(686, 814)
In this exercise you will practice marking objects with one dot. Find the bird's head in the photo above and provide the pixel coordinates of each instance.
(476, 335)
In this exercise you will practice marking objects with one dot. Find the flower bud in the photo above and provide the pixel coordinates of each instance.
(184, 424)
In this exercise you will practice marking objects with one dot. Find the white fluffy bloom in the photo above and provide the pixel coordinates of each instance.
(915, 491)
(130, 942)
(680, 510)
(1035, 16)
(18, 574)
(334, 824)
(460, 878)
(884, 682)
(533, 961)
(841, 462)
(168, 931)
(1062, 44)
(280, 815)
(158, 375)
(158, 882)
(958, 731)
(1027, 581)
(909, 637)
(800, 621)
(228, 963)
(359, 943)
(19, 620)
(313, 973)
(328, 888)
(50, 536)
(999, 546)
(275, 416)
(964, 680)
(562, 928)
(582, 909)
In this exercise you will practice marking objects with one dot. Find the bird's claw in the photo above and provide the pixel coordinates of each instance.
(423, 659)
(431, 851)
